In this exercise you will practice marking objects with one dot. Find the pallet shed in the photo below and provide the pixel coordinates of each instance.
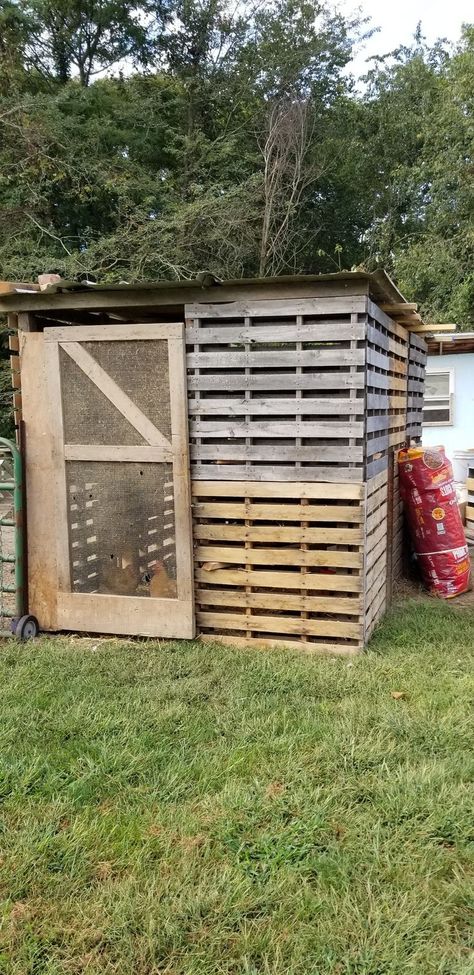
(226, 448)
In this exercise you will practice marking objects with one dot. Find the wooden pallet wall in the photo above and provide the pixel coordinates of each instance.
(280, 563)
(397, 526)
(277, 389)
(386, 391)
(375, 566)
(416, 379)
(470, 507)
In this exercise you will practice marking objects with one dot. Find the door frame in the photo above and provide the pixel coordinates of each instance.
(100, 612)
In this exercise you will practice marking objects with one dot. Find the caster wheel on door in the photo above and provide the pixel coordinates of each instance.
(27, 628)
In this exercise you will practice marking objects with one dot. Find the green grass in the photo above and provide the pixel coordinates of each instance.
(180, 809)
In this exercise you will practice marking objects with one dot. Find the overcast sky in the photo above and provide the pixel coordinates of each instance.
(397, 20)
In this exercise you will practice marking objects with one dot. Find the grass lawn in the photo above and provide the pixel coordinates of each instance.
(179, 809)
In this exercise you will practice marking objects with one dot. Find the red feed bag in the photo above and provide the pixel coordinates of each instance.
(429, 494)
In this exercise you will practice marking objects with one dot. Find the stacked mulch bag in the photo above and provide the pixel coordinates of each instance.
(429, 494)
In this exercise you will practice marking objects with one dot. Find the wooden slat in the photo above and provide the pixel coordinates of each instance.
(266, 307)
(381, 381)
(279, 533)
(58, 467)
(399, 308)
(284, 358)
(129, 454)
(311, 407)
(277, 512)
(279, 624)
(280, 472)
(278, 381)
(313, 331)
(279, 429)
(276, 452)
(279, 579)
(421, 329)
(278, 556)
(343, 649)
(181, 480)
(280, 601)
(113, 333)
(255, 489)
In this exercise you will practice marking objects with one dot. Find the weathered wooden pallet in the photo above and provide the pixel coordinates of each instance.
(280, 563)
(386, 379)
(276, 389)
(470, 506)
(375, 568)
(416, 370)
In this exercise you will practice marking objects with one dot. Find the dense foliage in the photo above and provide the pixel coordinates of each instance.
(158, 139)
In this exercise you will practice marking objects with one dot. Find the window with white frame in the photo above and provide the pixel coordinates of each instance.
(438, 398)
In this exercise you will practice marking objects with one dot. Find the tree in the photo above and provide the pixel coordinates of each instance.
(419, 132)
(84, 38)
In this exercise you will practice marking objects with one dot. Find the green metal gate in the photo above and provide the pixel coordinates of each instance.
(13, 616)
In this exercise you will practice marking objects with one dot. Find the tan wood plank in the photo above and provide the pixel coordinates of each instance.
(279, 624)
(374, 423)
(276, 307)
(278, 556)
(379, 381)
(239, 406)
(376, 551)
(115, 394)
(278, 579)
(280, 381)
(112, 333)
(399, 308)
(276, 452)
(276, 533)
(58, 480)
(421, 329)
(308, 647)
(280, 601)
(39, 474)
(379, 516)
(136, 615)
(221, 429)
(313, 331)
(224, 471)
(278, 512)
(285, 358)
(299, 489)
(109, 452)
(181, 480)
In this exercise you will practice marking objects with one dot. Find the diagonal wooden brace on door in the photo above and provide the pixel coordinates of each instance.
(115, 395)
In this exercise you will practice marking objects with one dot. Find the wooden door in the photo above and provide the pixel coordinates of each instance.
(121, 479)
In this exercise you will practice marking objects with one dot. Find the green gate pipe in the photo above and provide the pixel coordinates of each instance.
(16, 487)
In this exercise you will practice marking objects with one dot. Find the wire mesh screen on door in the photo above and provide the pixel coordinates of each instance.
(121, 528)
(141, 371)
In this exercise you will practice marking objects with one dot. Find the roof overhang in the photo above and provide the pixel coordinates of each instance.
(442, 344)
(207, 287)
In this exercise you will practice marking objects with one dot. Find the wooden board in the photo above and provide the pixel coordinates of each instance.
(41, 508)
(279, 561)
